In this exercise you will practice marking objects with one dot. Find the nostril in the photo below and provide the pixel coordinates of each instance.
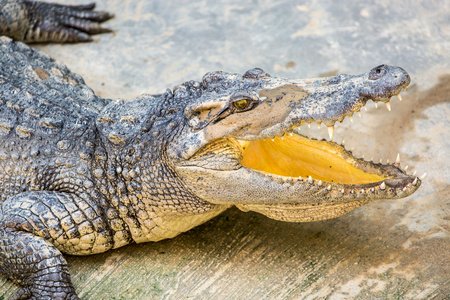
(378, 72)
(395, 76)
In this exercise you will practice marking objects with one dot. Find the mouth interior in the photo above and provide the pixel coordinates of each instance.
(295, 156)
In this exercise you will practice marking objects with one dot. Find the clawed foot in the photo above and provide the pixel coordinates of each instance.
(41, 22)
(63, 23)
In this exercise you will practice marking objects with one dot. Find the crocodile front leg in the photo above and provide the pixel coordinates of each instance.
(36, 265)
(36, 22)
(35, 227)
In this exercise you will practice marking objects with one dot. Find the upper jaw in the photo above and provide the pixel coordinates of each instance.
(332, 99)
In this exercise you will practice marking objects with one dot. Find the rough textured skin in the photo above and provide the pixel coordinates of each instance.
(99, 195)
(32, 21)
(82, 175)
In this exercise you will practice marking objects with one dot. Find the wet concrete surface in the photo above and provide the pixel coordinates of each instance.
(385, 250)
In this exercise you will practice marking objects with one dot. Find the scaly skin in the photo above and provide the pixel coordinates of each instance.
(81, 175)
(38, 22)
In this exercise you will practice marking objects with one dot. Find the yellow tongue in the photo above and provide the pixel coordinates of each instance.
(296, 156)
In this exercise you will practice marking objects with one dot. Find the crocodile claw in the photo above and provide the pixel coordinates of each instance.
(37, 22)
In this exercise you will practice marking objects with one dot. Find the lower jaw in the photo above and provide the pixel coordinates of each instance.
(305, 212)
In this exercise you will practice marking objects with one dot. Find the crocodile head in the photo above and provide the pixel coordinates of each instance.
(240, 146)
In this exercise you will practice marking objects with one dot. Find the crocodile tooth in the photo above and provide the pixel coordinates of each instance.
(359, 114)
(329, 187)
(351, 118)
(291, 134)
(273, 140)
(309, 125)
(319, 183)
(399, 97)
(415, 181)
(387, 160)
(423, 176)
(388, 105)
(365, 108)
(352, 191)
(300, 178)
(263, 98)
(406, 168)
(331, 132)
(372, 190)
(362, 191)
(376, 104)
(383, 186)
(342, 191)
(371, 159)
(310, 180)
(414, 173)
(381, 160)
(319, 125)
(343, 143)
(404, 189)
(397, 160)
(362, 156)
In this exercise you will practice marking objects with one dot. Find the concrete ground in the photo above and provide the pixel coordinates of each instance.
(384, 250)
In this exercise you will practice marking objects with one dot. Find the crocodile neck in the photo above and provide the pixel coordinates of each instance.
(137, 178)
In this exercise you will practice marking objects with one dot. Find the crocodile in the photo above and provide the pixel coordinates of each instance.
(80, 174)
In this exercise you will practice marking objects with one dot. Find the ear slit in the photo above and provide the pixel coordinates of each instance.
(203, 114)
(193, 110)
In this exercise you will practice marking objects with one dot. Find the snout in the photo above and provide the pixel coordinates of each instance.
(386, 81)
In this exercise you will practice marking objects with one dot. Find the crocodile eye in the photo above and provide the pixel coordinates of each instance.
(241, 104)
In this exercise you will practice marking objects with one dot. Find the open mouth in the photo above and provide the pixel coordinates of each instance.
(296, 156)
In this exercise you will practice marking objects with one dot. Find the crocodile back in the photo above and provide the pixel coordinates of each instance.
(47, 118)
(34, 87)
